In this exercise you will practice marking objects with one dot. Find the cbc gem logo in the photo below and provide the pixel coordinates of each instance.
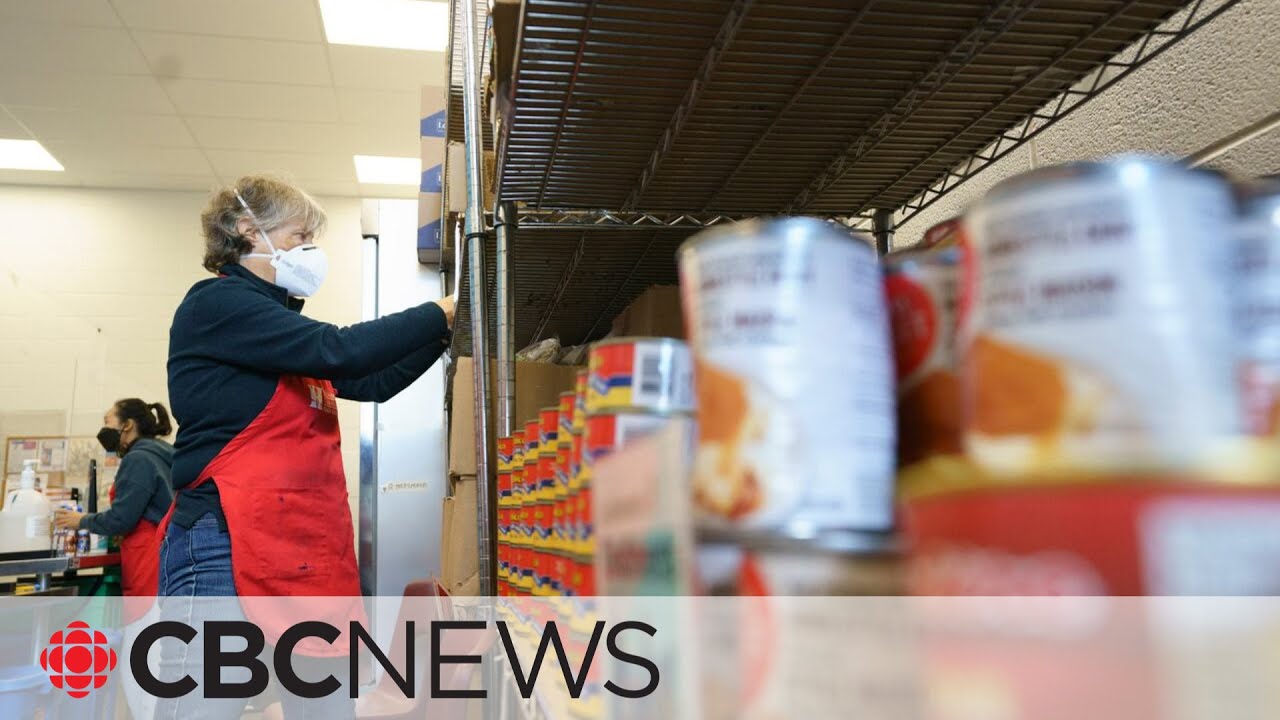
(78, 659)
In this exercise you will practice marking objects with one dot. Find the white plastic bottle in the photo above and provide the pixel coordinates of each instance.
(27, 524)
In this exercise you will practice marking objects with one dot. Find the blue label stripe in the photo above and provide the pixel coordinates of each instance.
(429, 236)
(433, 125)
(432, 180)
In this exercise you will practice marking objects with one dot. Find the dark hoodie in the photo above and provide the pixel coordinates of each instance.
(142, 489)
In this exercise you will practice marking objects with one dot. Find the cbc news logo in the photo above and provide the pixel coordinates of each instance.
(79, 659)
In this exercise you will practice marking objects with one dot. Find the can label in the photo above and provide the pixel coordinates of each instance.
(1257, 311)
(567, 401)
(575, 462)
(546, 491)
(923, 290)
(794, 377)
(650, 373)
(504, 488)
(517, 486)
(948, 233)
(580, 401)
(1099, 318)
(548, 430)
(531, 439)
(607, 433)
(517, 449)
(529, 479)
(505, 451)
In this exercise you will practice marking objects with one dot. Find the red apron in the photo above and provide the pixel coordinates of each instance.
(139, 566)
(284, 495)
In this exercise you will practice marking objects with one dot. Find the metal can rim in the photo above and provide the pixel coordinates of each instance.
(845, 542)
(631, 339)
(1074, 171)
(752, 229)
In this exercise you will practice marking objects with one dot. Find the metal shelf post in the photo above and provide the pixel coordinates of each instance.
(475, 242)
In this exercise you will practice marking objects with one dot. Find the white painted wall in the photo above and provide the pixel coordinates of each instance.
(1217, 81)
(89, 280)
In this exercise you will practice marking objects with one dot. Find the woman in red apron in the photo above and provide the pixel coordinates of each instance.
(140, 495)
(261, 510)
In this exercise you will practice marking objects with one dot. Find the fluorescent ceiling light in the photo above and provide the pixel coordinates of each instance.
(380, 170)
(405, 24)
(26, 155)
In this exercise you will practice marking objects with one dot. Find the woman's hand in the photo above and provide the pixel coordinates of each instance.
(448, 305)
(67, 519)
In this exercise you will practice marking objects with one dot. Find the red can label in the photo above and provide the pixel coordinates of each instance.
(505, 449)
(517, 449)
(504, 486)
(530, 484)
(580, 401)
(548, 428)
(546, 478)
(567, 401)
(530, 439)
(564, 461)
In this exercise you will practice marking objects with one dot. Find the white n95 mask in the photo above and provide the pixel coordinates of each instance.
(300, 271)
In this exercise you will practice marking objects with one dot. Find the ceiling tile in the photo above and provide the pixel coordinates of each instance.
(83, 91)
(265, 135)
(86, 159)
(378, 107)
(9, 127)
(153, 181)
(386, 69)
(33, 177)
(252, 100)
(398, 140)
(49, 124)
(77, 12)
(300, 167)
(388, 191)
(40, 48)
(324, 190)
(276, 19)
(173, 55)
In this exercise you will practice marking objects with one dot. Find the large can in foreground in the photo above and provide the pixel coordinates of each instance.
(793, 374)
(1257, 304)
(1100, 338)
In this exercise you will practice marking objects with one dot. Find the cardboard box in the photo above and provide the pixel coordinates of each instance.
(656, 313)
(456, 168)
(538, 385)
(459, 544)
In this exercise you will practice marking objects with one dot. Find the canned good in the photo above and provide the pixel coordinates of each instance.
(1257, 304)
(532, 438)
(839, 563)
(653, 374)
(580, 401)
(529, 479)
(609, 431)
(546, 491)
(793, 374)
(575, 462)
(565, 410)
(82, 541)
(548, 430)
(923, 291)
(1098, 321)
(505, 451)
(517, 449)
(506, 492)
(948, 233)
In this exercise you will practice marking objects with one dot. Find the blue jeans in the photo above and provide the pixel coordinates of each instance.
(197, 585)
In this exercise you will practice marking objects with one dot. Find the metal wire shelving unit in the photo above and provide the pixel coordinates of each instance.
(627, 125)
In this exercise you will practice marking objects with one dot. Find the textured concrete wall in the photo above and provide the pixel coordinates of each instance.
(1218, 80)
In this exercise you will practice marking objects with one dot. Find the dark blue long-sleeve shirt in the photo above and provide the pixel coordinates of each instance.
(232, 339)
(142, 490)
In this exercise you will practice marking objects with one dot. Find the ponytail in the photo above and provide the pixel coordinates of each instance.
(151, 419)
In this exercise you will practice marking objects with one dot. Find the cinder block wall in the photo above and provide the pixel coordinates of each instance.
(1217, 81)
(89, 280)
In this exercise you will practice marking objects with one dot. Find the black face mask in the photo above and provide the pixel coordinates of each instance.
(110, 439)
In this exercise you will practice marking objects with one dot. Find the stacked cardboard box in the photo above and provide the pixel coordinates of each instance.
(656, 313)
